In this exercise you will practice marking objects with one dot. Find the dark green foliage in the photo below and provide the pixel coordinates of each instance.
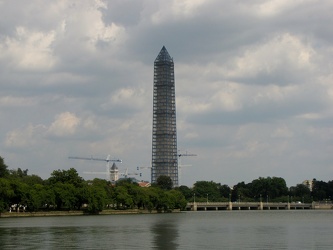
(164, 182)
(186, 191)
(207, 190)
(322, 190)
(225, 191)
(268, 187)
(3, 168)
(6, 194)
(19, 173)
(66, 190)
(66, 176)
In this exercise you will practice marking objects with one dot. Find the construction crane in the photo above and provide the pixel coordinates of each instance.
(180, 166)
(145, 167)
(126, 173)
(107, 160)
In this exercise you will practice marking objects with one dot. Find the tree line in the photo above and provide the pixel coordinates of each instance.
(270, 189)
(66, 190)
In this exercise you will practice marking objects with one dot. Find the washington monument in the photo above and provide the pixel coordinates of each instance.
(164, 139)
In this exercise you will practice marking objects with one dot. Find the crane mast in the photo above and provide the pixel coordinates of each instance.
(180, 166)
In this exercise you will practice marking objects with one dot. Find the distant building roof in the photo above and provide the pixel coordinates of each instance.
(144, 184)
(114, 167)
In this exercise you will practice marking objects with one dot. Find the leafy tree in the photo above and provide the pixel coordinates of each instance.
(108, 188)
(19, 173)
(269, 187)
(300, 190)
(153, 197)
(32, 180)
(21, 192)
(320, 190)
(178, 198)
(36, 197)
(6, 194)
(164, 182)
(3, 168)
(123, 199)
(66, 176)
(142, 198)
(65, 195)
(204, 188)
(186, 191)
(241, 192)
(97, 199)
(225, 191)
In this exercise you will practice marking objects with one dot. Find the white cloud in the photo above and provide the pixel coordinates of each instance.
(65, 124)
(30, 50)
(25, 137)
(275, 7)
(13, 101)
(126, 98)
(284, 52)
(282, 132)
(176, 10)
(83, 28)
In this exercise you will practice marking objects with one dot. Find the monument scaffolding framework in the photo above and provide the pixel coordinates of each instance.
(164, 139)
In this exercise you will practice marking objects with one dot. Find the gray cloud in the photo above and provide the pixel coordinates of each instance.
(253, 85)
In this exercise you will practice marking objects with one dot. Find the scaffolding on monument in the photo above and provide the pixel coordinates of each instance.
(164, 138)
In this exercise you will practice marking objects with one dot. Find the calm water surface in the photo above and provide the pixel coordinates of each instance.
(309, 229)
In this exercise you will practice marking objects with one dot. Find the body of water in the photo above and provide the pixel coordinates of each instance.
(306, 229)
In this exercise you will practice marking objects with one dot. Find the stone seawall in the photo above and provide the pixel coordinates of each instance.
(78, 213)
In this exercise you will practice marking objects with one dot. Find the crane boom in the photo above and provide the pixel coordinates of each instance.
(94, 159)
(186, 154)
(107, 160)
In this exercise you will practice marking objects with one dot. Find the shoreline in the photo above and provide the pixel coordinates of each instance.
(77, 213)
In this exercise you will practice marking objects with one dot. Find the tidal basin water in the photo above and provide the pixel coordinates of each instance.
(305, 229)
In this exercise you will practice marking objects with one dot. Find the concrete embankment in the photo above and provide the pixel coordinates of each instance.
(77, 213)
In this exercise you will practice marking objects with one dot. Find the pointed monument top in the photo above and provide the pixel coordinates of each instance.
(163, 56)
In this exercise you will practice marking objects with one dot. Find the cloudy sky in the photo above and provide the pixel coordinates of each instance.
(254, 89)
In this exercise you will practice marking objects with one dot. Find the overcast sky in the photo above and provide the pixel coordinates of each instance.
(254, 89)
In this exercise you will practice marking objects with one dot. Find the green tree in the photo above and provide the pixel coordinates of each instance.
(37, 197)
(21, 192)
(269, 188)
(32, 180)
(153, 197)
(3, 168)
(207, 190)
(65, 195)
(6, 194)
(300, 190)
(186, 191)
(123, 199)
(19, 173)
(164, 200)
(164, 182)
(178, 198)
(241, 192)
(320, 190)
(142, 198)
(97, 199)
(66, 176)
(225, 191)
(109, 189)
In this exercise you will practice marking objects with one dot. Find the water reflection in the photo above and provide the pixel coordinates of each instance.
(192, 230)
(165, 234)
